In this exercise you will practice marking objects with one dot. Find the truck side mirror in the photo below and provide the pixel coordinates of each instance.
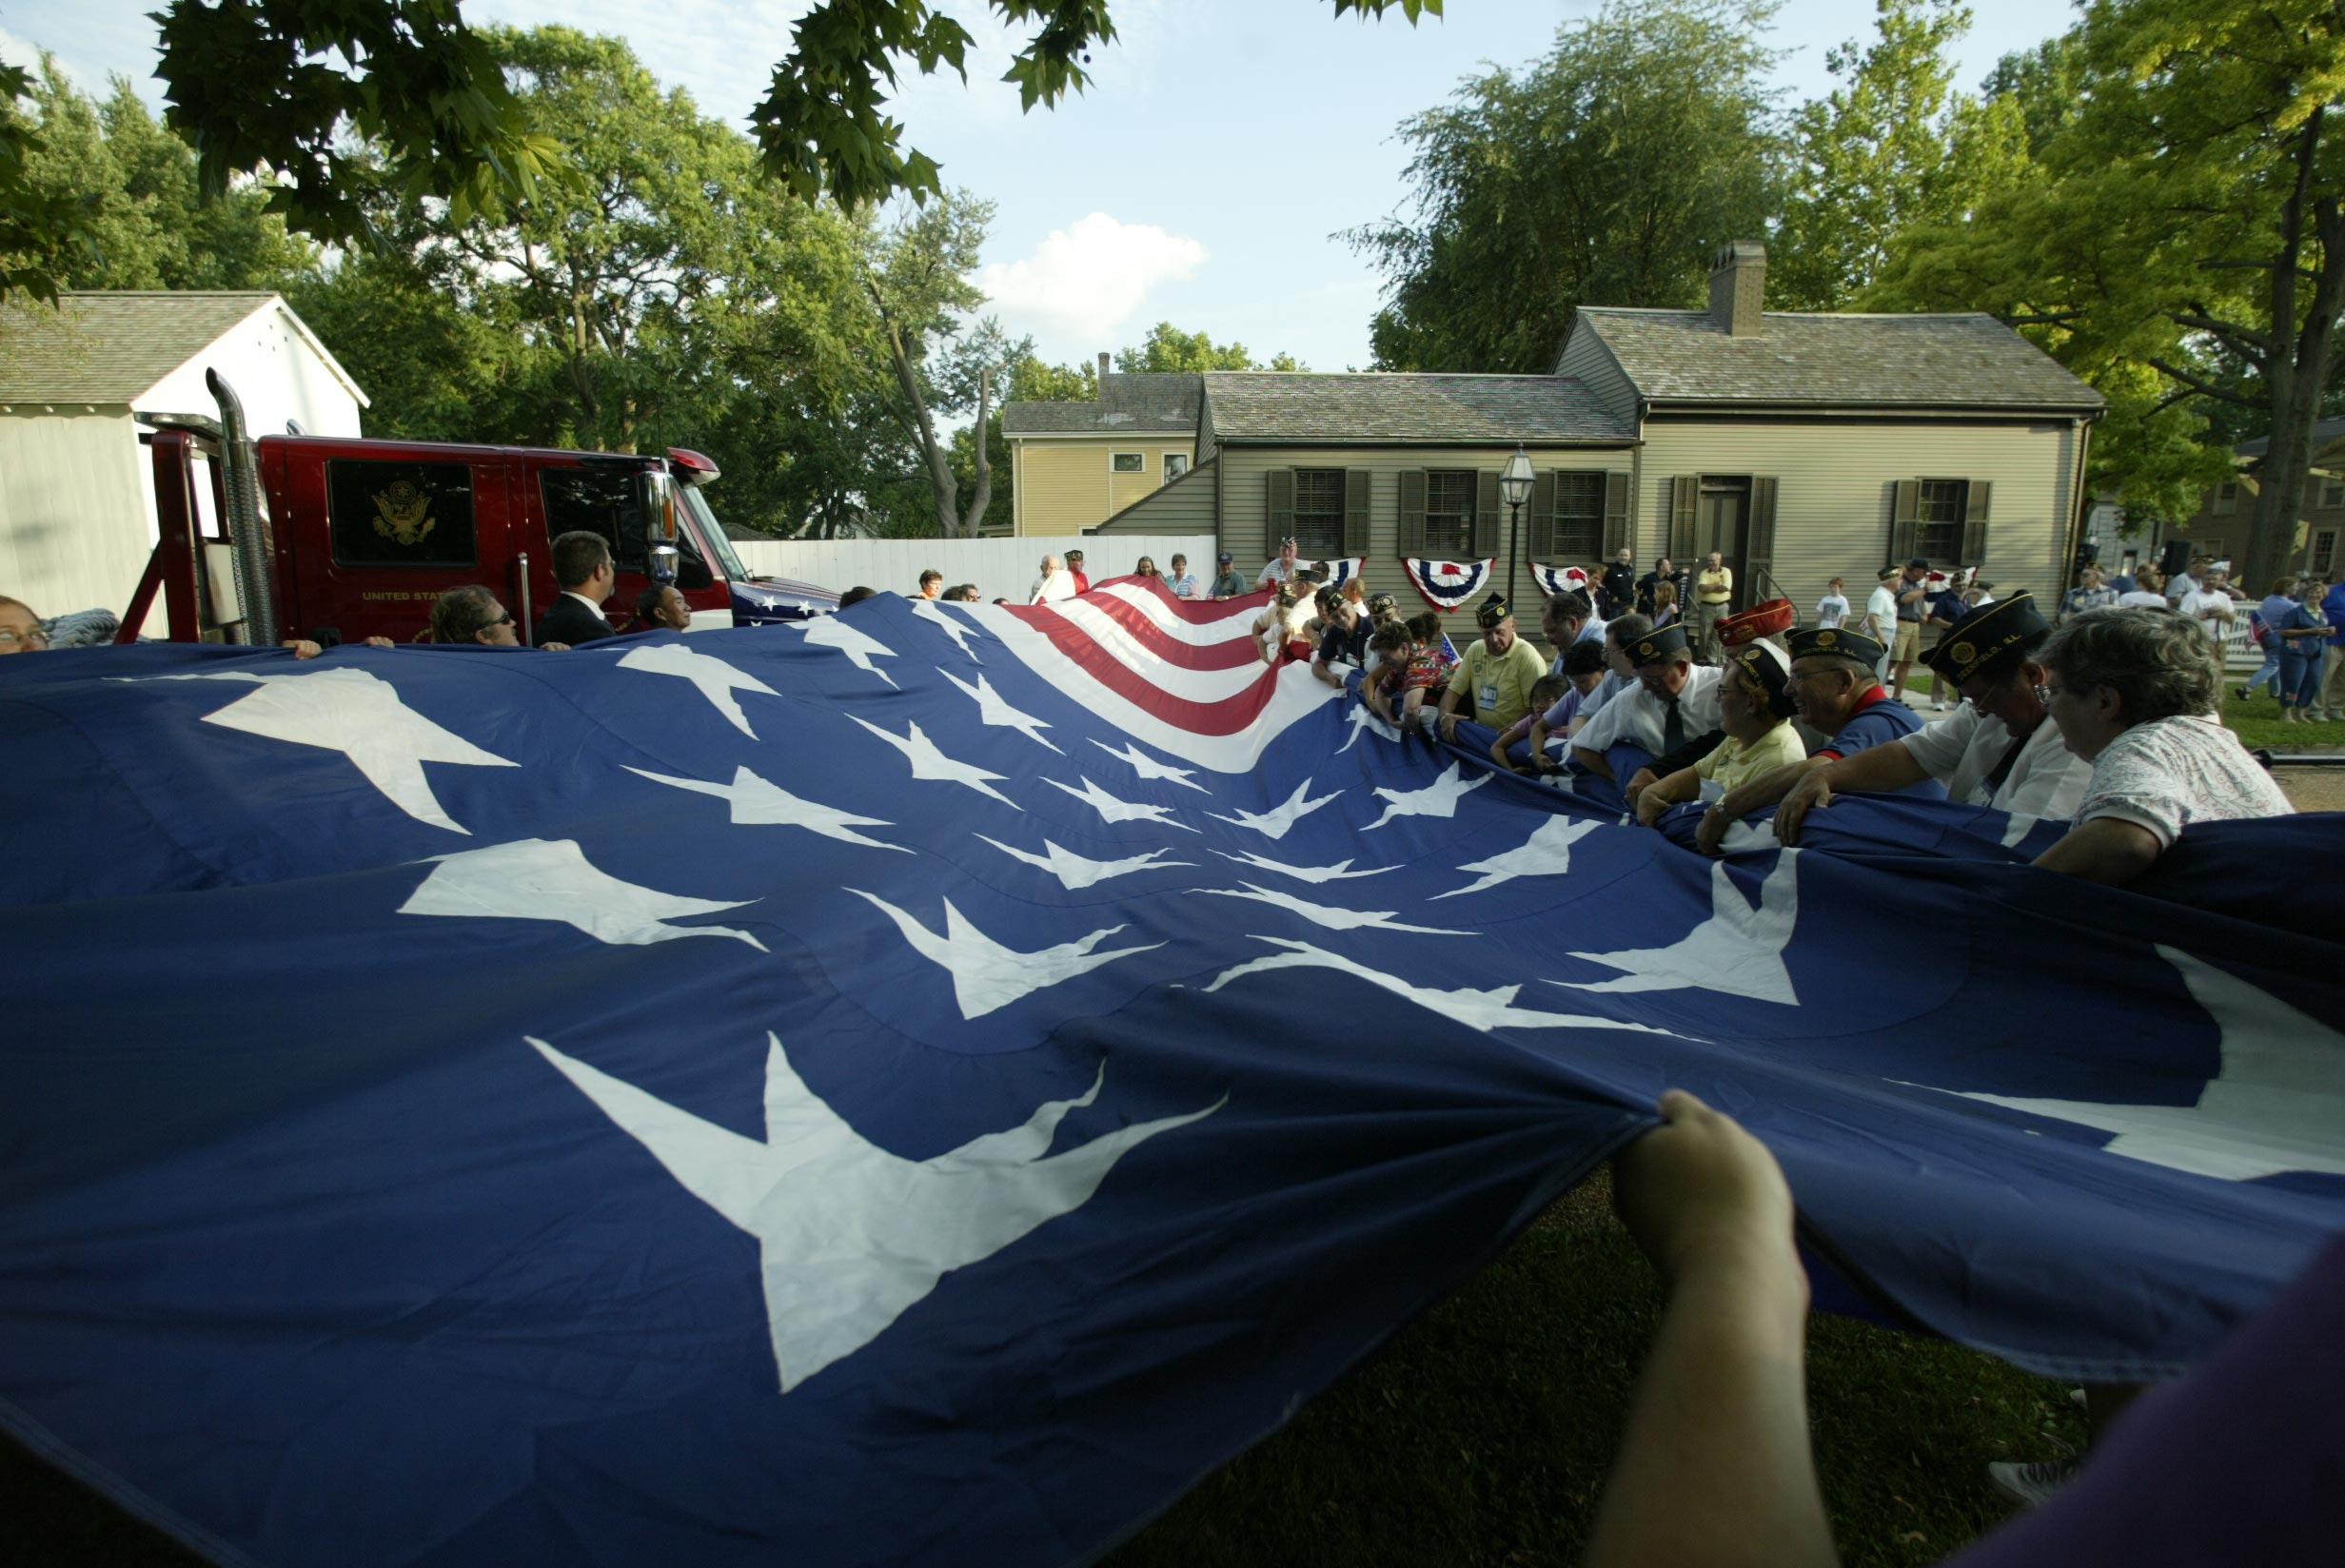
(661, 562)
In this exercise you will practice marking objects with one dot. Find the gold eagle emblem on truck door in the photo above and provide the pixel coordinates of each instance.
(402, 513)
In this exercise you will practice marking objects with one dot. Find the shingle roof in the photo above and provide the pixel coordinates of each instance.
(2325, 432)
(1161, 400)
(1399, 406)
(111, 347)
(1836, 361)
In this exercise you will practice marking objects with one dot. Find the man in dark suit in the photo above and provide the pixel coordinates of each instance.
(583, 567)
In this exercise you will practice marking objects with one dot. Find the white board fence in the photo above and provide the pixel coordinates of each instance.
(1002, 568)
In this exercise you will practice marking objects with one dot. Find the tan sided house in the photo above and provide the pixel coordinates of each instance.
(1072, 466)
(1802, 447)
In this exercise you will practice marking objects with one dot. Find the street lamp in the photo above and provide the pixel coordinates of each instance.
(1514, 485)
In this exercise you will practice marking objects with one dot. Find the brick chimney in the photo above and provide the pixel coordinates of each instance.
(1103, 367)
(1739, 288)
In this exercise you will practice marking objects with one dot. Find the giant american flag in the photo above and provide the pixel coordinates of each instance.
(928, 1085)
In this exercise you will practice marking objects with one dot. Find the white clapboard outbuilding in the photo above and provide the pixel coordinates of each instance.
(77, 518)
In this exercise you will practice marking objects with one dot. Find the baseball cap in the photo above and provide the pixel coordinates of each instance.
(1225, 557)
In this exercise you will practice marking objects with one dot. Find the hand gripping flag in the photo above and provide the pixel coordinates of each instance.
(874, 1091)
(1448, 585)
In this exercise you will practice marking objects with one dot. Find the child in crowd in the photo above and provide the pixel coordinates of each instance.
(1388, 649)
(1583, 670)
(1754, 707)
(1428, 667)
(1832, 609)
(1665, 605)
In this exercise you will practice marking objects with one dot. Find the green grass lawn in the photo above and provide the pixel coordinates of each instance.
(1479, 1435)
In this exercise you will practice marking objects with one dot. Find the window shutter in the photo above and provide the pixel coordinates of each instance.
(1905, 522)
(1487, 513)
(1355, 511)
(1616, 493)
(1413, 512)
(1684, 516)
(1759, 545)
(1975, 523)
(1279, 513)
(1543, 515)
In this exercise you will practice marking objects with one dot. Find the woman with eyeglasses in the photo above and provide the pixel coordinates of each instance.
(2135, 693)
(21, 631)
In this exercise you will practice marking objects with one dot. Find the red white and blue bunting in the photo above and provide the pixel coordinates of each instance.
(1448, 585)
(1342, 569)
(1556, 580)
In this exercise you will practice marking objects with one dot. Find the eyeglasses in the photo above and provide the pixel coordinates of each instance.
(2045, 694)
(31, 636)
(505, 619)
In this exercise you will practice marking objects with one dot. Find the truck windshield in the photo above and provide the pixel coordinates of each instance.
(713, 531)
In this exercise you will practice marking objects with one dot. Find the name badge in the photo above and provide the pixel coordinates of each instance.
(1489, 693)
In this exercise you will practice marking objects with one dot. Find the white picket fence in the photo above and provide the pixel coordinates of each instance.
(1002, 568)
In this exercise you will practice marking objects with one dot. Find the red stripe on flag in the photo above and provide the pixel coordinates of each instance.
(1227, 716)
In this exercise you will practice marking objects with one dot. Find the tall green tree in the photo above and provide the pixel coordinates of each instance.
(1607, 173)
(1167, 347)
(2187, 225)
(1891, 146)
(410, 80)
(921, 298)
(128, 193)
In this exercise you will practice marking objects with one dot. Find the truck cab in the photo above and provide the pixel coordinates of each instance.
(365, 535)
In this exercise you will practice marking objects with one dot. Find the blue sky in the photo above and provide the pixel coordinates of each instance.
(1223, 143)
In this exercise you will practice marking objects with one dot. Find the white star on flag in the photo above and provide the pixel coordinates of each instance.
(993, 710)
(1148, 767)
(1113, 810)
(1737, 951)
(1547, 852)
(1481, 1010)
(756, 803)
(988, 976)
(551, 879)
(1075, 872)
(928, 609)
(353, 712)
(1340, 872)
(1333, 919)
(713, 678)
(1275, 822)
(1363, 721)
(849, 1235)
(2275, 1105)
(1438, 800)
(929, 763)
(860, 647)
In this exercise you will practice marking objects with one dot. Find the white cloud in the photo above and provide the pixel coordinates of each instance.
(1088, 279)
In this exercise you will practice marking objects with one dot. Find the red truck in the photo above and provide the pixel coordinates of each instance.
(337, 539)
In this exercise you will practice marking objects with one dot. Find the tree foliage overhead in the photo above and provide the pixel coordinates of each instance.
(1167, 347)
(1607, 172)
(2178, 238)
(410, 80)
(122, 202)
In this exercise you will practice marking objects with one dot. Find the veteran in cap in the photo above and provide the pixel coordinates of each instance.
(1839, 696)
(1997, 749)
(1494, 681)
(1674, 700)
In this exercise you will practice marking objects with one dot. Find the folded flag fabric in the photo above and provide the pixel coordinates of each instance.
(927, 1084)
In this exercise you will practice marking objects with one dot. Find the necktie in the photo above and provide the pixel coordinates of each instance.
(1672, 727)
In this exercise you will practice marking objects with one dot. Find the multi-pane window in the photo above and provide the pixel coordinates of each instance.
(1318, 512)
(1129, 462)
(1450, 511)
(2323, 558)
(1175, 464)
(2226, 497)
(2333, 492)
(1938, 518)
(1578, 516)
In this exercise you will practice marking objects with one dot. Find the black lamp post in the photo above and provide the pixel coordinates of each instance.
(1514, 486)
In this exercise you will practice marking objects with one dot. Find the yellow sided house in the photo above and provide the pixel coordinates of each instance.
(1074, 464)
(1800, 446)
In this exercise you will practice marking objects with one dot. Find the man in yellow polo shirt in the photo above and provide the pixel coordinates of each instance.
(1713, 596)
(1495, 675)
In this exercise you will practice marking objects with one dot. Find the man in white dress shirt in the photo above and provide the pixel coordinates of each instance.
(1997, 749)
(1673, 701)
